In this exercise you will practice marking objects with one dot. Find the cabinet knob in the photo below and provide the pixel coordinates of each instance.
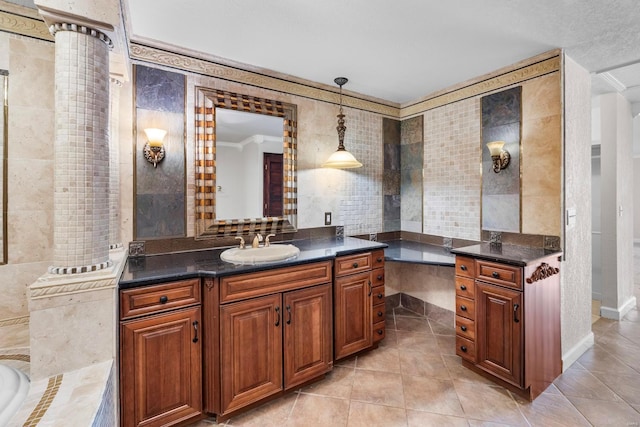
(380, 296)
(463, 328)
(380, 314)
(463, 288)
(163, 299)
(463, 348)
(463, 307)
(379, 259)
(495, 274)
(355, 265)
(379, 276)
(463, 267)
(380, 332)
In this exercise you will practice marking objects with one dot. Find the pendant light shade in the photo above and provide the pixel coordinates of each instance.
(341, 159)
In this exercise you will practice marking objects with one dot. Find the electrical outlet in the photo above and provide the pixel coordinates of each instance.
(327, 218)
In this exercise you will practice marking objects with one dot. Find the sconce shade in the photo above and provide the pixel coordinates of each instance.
(341, 158)
(155, 136)
(495, 147)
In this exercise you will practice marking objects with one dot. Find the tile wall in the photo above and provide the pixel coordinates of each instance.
(391, 174)
(411, 173)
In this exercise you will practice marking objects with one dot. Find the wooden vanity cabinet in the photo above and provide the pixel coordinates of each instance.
(508, 321)
(160, 354)
(275, 332)
(354, 300)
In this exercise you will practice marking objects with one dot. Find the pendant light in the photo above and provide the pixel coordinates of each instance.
(341, 158)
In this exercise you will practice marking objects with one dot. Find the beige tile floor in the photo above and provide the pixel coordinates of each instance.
(415, 379)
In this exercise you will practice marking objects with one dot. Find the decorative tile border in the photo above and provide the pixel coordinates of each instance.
(45, 401)
(24, 26)
(19, 357)
(15, 321)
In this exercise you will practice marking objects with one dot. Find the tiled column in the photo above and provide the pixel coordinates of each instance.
(114, 165)
(81, 150)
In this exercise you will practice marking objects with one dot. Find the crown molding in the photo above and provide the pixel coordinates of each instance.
(15, 23)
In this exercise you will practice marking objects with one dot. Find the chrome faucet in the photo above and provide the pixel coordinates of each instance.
(256, 241)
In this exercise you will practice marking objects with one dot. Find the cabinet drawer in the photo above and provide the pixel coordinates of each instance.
(377, 294)
(465, 287)
(466, 349)
(465, 327)
(242, 286)
(500, 274)
(378, 313)
(464, 266)
(379, 331)
(158, 298)
(377, 259)
(466, 307)
(353, 264)
(377, 277)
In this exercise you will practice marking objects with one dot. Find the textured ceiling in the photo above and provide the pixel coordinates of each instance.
(394, 50)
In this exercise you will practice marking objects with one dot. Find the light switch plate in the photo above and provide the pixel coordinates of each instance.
(327, 218)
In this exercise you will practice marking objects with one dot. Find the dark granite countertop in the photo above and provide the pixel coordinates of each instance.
(509, 254)
(207, 263)
(419, 253)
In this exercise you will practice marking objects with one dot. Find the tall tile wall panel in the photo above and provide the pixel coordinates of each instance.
(160, 191)
(361, 204)
(81, 152)
(391, 174)
(411, 165)
(452, 176)
(114, 164)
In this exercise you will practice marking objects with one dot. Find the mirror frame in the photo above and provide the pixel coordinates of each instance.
(206, 224)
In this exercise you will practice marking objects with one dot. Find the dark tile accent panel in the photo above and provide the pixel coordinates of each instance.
(391, 182)
(411, 156)
(502, 107)
(411, 192)
(391, 208)
(413, 304)
(159, 90)
(501, 120)
(391, 157)
(390, 131)
(392, 225)
(412, 130)
(160, 215)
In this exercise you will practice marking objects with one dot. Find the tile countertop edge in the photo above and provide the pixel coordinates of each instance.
(162, 268)
(520, 256)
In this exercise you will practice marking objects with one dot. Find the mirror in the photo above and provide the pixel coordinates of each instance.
(4, 121)
(225, 206)
(249, 165)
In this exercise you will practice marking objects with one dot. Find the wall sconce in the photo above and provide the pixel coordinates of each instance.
(499, 155)
(153, 148)
(341, 158)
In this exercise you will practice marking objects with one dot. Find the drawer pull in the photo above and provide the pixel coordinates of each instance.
(289, 312)
(515, 313)
(380, 331)
(463, 348)
(380, 296)
(195, 328)
(355, 265)
(163, 299)
(379, 276)
(463, 267)
(370, 289)
(495, 274)
(463, 307)
(379, 259)
(463, 328)
(277, 318)
(463, 288)
(380, 314)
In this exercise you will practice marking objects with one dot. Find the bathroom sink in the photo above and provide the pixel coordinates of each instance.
(260, 255)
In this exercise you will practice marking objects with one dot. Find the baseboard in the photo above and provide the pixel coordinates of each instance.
(577, 350)
(618, 313)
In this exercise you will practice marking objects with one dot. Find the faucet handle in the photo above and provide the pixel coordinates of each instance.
(241, 241)
(266, 242)
(256, 240)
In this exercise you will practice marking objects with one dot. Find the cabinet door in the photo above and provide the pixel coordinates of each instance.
(307, 334)
(251, 351)
(499, 331)
(352, 311)
(161, 378)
